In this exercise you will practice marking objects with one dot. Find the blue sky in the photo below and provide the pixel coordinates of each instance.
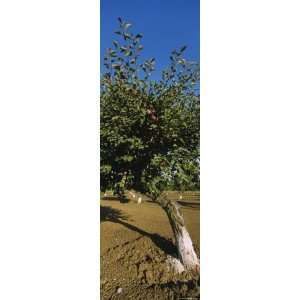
(165, 25)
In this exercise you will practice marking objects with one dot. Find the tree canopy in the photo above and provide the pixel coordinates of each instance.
(149, 129)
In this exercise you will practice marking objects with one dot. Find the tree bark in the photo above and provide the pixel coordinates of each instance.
(186, 252)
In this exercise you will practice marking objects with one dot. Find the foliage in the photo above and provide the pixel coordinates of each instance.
(149, 129)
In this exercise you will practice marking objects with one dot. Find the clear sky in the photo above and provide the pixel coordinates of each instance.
(165, 25)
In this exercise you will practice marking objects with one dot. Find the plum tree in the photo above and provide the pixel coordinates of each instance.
(149, 129)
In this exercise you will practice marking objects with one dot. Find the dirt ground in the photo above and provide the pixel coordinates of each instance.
(136, 245)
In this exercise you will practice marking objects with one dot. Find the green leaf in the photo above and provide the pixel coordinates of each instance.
(116, 44)
(182, 48)
(127, 158)
(126, 26)
(116, 66)
(126, 36)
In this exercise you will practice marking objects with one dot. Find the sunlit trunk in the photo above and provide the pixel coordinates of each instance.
(186, 252)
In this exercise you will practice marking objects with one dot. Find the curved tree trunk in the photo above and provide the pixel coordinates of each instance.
(186, 252)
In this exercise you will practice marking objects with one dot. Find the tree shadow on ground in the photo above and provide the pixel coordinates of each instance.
(110, 198)
(107, 213)
(189, 204)
(115, 198)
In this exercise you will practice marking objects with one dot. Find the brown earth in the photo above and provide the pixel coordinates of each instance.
(136, 243)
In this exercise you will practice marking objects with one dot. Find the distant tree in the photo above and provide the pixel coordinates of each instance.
(150, 129)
